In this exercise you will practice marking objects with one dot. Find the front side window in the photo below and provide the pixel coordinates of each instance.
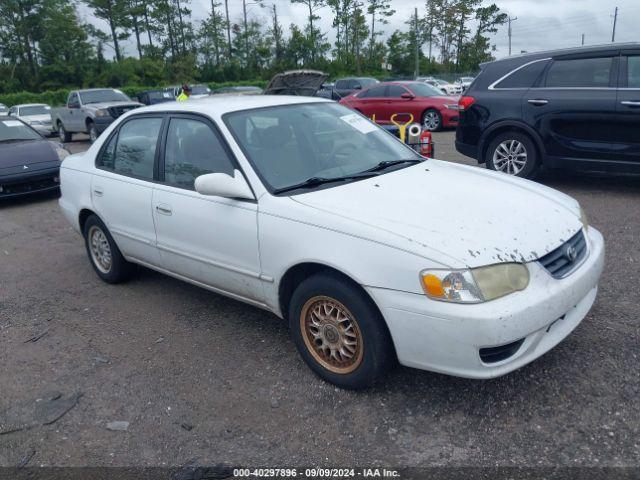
(580, 73)
(290, 144)
(395, 91)
(132, 151)
(633, 72)
(193, 149)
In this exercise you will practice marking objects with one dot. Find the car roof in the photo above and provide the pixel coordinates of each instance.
(218, 105)
(31, 105)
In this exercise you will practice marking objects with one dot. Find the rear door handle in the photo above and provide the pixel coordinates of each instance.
(538, 102)
(98, 191)
(164, 209)
(631, 103)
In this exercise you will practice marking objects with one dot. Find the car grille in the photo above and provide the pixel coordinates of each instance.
(31, 184)
(497, 354)
(115, 112)
(564, 259)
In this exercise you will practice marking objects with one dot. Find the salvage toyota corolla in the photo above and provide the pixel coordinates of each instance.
(371, 252)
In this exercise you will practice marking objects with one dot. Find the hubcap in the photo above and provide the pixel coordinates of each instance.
(331, 334)
(431, 121)
(100, 249)
(510, 157)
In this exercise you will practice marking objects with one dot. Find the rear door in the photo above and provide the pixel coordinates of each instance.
(371, 102)
(573, 108)
(626, 141)
(122, 186)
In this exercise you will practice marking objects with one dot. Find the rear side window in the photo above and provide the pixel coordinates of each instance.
(132, 151)
(193, 149)
(374, 92)
(341, 84)
(524, 77)
(633, 72)
(582, 72)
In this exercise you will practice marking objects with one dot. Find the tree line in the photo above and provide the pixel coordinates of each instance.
(44, 44)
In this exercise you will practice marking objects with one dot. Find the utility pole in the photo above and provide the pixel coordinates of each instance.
(615, 20)
(277, 34)
(510, 20)
(415, 33)
(583, 39)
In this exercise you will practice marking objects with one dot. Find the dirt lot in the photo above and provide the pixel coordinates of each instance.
(201, 378)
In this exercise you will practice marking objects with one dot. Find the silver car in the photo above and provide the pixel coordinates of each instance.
(37, 115)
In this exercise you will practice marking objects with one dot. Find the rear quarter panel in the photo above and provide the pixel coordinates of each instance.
(75, 189)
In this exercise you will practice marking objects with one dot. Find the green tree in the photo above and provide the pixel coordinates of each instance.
(380, 11)
(114, 12)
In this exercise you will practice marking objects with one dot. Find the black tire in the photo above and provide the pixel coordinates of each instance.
(63, 135)
(92, 131)
(119, 269)
(435, 120)
(502, 141)
(372, 350)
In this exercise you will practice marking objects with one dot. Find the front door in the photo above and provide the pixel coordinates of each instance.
(626, 141)
(122, 187)
(573, 108)
(211, 240)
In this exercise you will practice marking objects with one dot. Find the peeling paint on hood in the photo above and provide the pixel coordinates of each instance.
(472, 215)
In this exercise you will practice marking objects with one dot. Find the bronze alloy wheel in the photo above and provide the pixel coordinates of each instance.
(331, 334)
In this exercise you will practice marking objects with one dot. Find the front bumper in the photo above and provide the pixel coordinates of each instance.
(447, 338)
(102, 123)
(44, 129)
(34, 182)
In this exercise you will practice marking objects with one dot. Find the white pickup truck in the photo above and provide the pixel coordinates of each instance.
(90, 111)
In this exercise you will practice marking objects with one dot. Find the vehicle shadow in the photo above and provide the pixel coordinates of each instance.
(590, 181)
(29, 199)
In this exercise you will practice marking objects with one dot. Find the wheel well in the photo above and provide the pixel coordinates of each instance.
(84, 214)
(297, 274)
(88, 122)
(504, 129)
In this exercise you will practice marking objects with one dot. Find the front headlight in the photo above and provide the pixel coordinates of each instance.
(583, 219)
(475, 285)
(102, 113)
(62, 153)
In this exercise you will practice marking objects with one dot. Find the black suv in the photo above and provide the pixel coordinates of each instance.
(346, 86)
(576, 109)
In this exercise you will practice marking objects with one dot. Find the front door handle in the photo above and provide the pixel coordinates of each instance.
(98, 191)
(631, 103)
(164, 209)
(538, 102)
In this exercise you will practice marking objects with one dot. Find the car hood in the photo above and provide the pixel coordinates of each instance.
(112, 104)
(454, 214)
(45, 117)
(35, 155)
(296, 82)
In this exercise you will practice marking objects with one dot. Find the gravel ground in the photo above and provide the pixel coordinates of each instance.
(202, 378)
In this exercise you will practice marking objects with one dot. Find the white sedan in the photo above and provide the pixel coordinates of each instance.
(372, 253)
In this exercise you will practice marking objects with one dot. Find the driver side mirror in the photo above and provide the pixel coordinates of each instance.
(407, 96)
(223, 185)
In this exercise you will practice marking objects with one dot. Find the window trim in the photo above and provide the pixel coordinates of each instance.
(116, 134)
(623, 76)
(494, 85)
(217, 133)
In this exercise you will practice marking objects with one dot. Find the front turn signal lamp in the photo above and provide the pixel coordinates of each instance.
(475, 285)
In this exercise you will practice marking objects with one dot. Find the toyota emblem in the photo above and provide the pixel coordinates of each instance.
(570, 253)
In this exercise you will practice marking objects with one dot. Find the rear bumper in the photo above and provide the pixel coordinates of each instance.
(467, 150)
(447, 338)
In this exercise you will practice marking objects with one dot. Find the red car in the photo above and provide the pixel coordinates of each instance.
(427, 104)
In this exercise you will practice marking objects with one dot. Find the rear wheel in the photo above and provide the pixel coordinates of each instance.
(339, 332)
(513, 153)
(105, 257)
(63, 134)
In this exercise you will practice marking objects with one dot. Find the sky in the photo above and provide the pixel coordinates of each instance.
(540, 24)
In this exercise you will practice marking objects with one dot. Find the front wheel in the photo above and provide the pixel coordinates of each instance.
(432, 120)
(93, 132)
(513, 153)
(339, 332)
(103, 252)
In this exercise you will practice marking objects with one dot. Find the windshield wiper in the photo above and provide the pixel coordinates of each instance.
(390, 163)
(315, 181)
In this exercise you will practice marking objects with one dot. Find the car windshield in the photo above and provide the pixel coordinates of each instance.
(291, 144)
(35, 110)
(99, 96)
(424, 90)
(199, 90)
(15, 130)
